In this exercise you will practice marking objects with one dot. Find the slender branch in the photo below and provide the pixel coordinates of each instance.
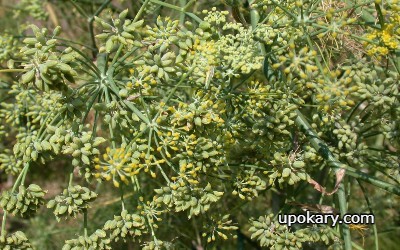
(255, 18)
(182, 14)
(324, 151)
(12, 70)
(91, 30)
(343, 210)
(371, 212)
(20, 179)
(171, 6)
(85, 223)
(79, 9)
(141, 10)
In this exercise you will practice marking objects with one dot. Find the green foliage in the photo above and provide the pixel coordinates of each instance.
(199, 116)
(17, 241)
(72, 201)
(25, 203)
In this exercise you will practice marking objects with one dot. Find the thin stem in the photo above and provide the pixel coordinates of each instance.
(96, 116)
(87, 62)
(109, 124)
(93, 100)
(69, 41)
(44, 124)
(12, 70)
(20, 179)
(122, 197)
(91, 30)
(284, 9)
(79, 9)
(167, 98)
(343, 210)
(316, 58)
(71, 178)
(171, 6)
(188, 4)
(182, 14)
(124, 57)
(163, 174)
(395, 65)
(141, 10)
(85, 223)
(322, 148)
(371, 212)
(117, 55)
(255, 18)
(380, 15)
(26, 168)
(3, 225)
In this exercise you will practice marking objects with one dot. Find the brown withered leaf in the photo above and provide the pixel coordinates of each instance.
(339, 177)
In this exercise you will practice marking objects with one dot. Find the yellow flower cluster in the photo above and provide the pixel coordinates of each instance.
(187, 172)
(168, 140)
(205, 52)
(388, 38)
(140, 81)
(300, 62)
(205, 112)
(333, 91)
(204, 56)
(118, 164)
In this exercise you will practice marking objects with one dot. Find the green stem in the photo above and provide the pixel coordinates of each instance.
(12, 70)
(168, 5)
(141, 10)
(171, 6)
(188, 4)
(85, 223)
(149, 141)
(343, 210)
(396, 64)
(255, 18)
(137, 112)
(26, 168)
(44, 125)
(90, 106)
(117, 54)
(371, 212)
(380, 16)
(122, 197)
(316, 58)
(324, 151)
(20, 179)
(79, 9)
(94, 130)
(71, 178)
(3, 225)
(88, 62)
(124, 57)
(167, 98)
(284, 9)
(163, 173)
(182, 14)
(91, 30)
(109, 124)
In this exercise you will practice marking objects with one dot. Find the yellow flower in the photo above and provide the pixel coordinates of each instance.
(116, 164)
